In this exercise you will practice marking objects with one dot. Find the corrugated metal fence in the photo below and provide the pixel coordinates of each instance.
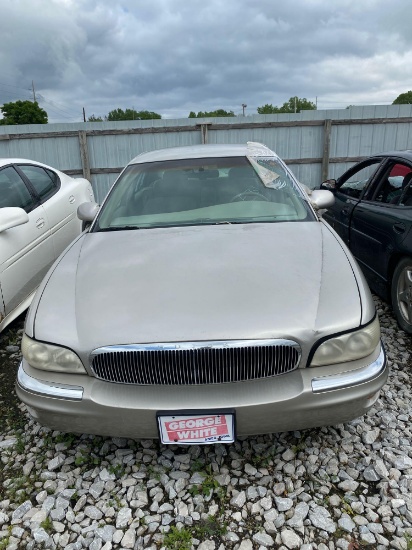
(315, 144)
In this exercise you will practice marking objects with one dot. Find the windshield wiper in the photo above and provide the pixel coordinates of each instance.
(123, 228)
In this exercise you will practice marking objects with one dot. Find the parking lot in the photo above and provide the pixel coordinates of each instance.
(347, 486)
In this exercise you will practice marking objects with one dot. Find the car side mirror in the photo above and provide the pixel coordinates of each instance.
(321, 199)
(87, 211)
(11, 216)
(329, 185)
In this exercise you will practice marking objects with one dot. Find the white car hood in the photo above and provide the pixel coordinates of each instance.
(290, 280)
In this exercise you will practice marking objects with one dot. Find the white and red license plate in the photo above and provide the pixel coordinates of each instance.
(196, 428)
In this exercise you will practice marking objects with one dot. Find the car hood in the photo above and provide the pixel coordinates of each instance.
(251, 281)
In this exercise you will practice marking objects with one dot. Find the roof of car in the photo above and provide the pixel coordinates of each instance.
(6, 160)
(204, 151)
(407, 154)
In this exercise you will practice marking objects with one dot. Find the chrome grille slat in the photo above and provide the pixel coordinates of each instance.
(195, 363)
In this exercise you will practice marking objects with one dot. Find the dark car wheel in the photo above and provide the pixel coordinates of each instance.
(401, 293)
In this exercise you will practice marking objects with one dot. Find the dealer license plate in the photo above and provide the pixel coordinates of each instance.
(197, 428)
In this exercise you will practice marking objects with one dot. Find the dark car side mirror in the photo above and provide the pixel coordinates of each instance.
(329, 185)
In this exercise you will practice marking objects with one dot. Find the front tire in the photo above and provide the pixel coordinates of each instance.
(401, 294)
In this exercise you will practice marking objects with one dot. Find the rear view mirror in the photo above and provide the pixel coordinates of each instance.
(11, 216)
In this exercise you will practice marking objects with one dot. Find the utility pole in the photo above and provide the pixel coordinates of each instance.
(295, 103)
(84, 115)
(244, 107)
(34, 92)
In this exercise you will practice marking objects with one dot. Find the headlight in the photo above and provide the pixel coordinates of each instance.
(52, 358)
(349, 346)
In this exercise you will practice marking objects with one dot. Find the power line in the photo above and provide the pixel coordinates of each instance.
(53, 103)
(13, 86)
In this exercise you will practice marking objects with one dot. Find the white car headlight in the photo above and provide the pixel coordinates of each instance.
(348, 346)
(49, 357)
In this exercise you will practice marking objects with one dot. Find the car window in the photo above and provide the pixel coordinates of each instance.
(45, 182)
(13, 190)
(393, 184)
(354, 184)
(203, 191)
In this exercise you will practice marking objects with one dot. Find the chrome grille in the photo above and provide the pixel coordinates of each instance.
(193, 363)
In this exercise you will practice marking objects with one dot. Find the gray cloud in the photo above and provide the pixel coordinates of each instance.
(173, 56)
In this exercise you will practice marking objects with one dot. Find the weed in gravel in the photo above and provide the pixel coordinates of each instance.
(4, 543)
(85, 458)
(47, 525)
(209, 527)
(67, 438)
(116, 469)
(177, 539)
(408, 539)
(20, 444)
(208, 485)
(197, 465)
(114, 501)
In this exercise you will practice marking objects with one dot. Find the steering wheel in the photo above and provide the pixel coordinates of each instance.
(249, 195)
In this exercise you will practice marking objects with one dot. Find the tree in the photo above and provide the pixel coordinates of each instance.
(131, 114)
(268, 109)
(403, 98)
(294, 105)
(217, 113)
(23, 112)
(95, 119)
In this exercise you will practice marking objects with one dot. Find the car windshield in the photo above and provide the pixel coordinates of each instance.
(203, 191)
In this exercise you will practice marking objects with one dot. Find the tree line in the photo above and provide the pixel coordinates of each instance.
(30, 112)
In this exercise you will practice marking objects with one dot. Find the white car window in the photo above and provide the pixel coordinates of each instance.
(45, 182)
(13, 190)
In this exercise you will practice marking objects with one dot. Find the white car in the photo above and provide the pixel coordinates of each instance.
(38, 220)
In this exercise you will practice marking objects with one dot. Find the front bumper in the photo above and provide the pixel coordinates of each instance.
(301, 399)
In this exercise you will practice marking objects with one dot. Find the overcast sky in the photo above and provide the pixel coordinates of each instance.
(177, 56)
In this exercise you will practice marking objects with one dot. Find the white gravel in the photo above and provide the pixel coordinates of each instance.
(347, 486)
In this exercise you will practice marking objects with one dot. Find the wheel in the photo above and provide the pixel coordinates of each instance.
(401, 294)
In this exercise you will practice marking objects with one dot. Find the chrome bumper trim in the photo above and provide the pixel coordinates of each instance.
(350, 378)
(48, 389)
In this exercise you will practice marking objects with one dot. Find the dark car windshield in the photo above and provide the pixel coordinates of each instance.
(203, 191)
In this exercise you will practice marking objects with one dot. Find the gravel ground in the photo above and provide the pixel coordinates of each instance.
(347, 486)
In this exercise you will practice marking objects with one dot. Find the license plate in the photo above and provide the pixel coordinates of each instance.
(196, 428)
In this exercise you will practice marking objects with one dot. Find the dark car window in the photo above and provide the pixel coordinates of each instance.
(393, 184)
(45, 182)
(356, 182)
(13, 190)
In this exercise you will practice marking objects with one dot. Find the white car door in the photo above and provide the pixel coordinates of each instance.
(26, 251)
(58, 194)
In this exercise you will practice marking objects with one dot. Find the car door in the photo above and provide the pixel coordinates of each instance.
(58, 195)
(349, 189)
(381, 221)
(26, 251)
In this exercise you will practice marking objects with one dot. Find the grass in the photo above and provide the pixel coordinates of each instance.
(408, 539)
(118, 470)
(177, 539)
(47, 525)
(210, 527)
